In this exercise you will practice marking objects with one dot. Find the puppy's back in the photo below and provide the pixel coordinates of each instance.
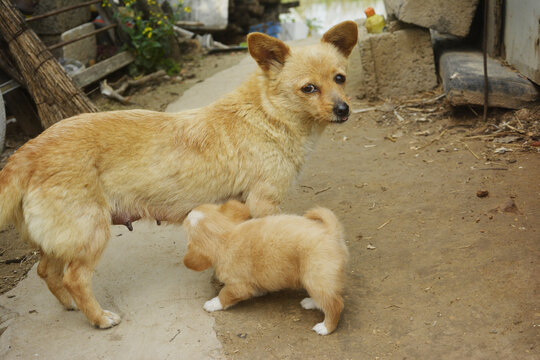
(277, 250)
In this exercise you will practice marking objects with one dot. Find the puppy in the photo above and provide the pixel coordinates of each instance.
(66, 187)
(252, 257)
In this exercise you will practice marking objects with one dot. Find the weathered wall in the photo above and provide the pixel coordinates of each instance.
(522, 36)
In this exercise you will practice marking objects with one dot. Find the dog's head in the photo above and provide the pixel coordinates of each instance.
(208, 225)
(311, 79)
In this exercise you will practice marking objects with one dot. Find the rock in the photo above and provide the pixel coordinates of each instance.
(393, 64)
(451, 17)
(510, 207)
(462, 73)
(57, 24)
(83, 50)
(482, 193)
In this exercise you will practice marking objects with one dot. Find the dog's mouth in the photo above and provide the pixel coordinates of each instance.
(340, 120)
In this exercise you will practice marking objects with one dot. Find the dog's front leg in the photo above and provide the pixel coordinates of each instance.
(230, 295)
(264, 200)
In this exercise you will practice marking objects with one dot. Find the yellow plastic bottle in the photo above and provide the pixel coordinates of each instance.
(374, 22)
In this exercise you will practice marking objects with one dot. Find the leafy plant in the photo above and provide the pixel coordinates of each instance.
(149, 36)
(314, 25)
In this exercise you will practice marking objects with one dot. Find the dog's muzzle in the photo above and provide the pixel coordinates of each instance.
(341, 110)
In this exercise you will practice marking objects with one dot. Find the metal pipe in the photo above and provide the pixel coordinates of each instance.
(62, 10)
(64, 43)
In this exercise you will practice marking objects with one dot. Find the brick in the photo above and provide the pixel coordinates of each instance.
(450, 17)
(393, 64)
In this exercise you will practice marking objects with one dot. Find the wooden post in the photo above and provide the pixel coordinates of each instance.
(55, 94)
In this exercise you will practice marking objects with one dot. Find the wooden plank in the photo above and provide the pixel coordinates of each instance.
(103, 68)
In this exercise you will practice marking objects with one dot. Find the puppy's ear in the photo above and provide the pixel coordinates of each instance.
(235, 210)
(267, 51)
(196, 261)
(343, 36)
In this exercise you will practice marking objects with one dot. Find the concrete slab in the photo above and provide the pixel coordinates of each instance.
(206, 92)
(462, 73)
(83, 50)
(141, 276)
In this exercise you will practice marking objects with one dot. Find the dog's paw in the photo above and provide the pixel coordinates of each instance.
(71, 306)
(309, 304)
(320, 329)
(108, 320)
(213, 305)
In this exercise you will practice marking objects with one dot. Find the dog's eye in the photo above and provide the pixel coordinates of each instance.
(309, 88)
(339, 79)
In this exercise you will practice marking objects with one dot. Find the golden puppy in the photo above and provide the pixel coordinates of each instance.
(66, 187)
(269, 254)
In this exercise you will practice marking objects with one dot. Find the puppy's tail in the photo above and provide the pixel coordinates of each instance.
(329, 220)
(11, 194)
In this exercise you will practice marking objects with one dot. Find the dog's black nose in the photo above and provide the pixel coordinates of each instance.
(341, 110)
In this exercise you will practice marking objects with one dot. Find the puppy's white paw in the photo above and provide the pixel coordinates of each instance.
(320, 329)
(309, 304)
(108, 320)
(194, 217)
(213, 305)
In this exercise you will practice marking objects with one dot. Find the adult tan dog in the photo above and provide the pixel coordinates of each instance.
(66, 187)
(255, 256)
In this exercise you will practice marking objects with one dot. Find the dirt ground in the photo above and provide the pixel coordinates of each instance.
(435, 271)
(442, 229)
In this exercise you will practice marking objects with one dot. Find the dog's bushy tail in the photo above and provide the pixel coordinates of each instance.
(11, 194)
(329, 220)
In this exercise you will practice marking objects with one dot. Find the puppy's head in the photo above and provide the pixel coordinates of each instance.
(208, 225)
(308, 80)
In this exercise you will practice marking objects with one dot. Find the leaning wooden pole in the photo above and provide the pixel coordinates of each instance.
(55, 94)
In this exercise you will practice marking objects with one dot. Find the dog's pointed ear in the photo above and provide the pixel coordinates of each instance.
(267, 51)
(343, 36)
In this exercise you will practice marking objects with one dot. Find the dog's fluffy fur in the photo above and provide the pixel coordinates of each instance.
(66, 187)
(269, 254)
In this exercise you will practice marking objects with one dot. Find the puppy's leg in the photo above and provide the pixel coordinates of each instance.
(230, 295)
(331, 305)
(51, 269)
(78, 280)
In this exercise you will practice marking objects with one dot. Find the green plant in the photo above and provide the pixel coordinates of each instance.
(313, 25)
(149, 36)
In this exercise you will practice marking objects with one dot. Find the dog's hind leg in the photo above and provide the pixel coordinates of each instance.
(51, 269)
(78, 280)
(331, 304)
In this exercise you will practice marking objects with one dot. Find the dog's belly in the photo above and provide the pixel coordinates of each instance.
(165, 205)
